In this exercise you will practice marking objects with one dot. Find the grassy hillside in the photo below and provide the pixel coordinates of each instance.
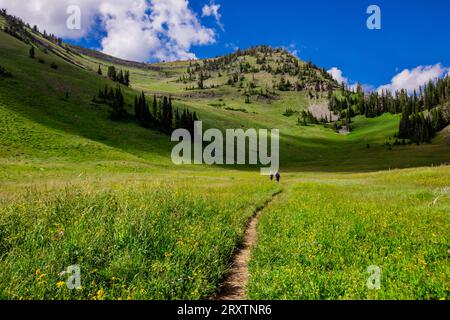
(220, 107)
(79, 188)
(224, 107)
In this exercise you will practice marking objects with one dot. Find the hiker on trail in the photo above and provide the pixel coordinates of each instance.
(278, 177)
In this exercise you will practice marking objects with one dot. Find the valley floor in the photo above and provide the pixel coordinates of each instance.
(172, 235)
(328, 234)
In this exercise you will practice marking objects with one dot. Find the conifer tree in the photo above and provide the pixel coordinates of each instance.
(169, 123)
(120, 78)
(165, 114)
(32, 52)
(118, 105)
(137, 109)
(112, 74)
(155, 108)
(147, 119)
(127, 78)
(200, 81)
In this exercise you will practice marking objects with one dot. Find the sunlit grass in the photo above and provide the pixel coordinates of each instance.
(319, 239)
(160, 239)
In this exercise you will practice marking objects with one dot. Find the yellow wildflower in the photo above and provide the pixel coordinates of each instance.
(101, 294)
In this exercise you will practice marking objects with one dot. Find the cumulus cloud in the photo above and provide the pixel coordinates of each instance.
(179, 28)
(338, 75)
(139, 30)
(52, 15)
(408, 79)
(411, 80)
(213, 10)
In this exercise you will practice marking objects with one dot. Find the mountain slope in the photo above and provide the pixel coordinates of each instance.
(61, 100)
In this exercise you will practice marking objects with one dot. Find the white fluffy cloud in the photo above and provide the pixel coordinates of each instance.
(134, 29)
(52, 15)
(337, 75)
(412, 79)
(213, 10)
(178, 27)
(408, 79)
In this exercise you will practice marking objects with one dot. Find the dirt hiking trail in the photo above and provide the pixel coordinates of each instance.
(233, 288)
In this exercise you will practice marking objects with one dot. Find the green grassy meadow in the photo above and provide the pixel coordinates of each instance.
(79, 188)
(318, 241)
(143, 238)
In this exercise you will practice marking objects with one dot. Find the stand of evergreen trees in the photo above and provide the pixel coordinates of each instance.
(122, 77)
(114, 98)
(306, 117)
(160, 115)
(421, 127)
(424, 113)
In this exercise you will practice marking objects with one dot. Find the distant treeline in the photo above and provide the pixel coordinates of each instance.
(18, 29)
(424, 113)
(158, 114)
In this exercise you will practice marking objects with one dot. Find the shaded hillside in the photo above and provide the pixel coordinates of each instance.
(113, 60)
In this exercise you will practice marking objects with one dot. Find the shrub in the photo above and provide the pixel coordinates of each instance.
(289, 112)
(32, 52)
(5, 73)
(236, 109)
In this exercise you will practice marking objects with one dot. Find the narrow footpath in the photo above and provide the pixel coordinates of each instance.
(234, 285)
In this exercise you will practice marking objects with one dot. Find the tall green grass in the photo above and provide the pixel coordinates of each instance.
(132, 240)
(319, 239)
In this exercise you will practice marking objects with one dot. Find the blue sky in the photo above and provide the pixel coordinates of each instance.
(334, 33)
(413, 44)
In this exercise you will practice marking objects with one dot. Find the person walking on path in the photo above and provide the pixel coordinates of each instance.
(278, 177)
